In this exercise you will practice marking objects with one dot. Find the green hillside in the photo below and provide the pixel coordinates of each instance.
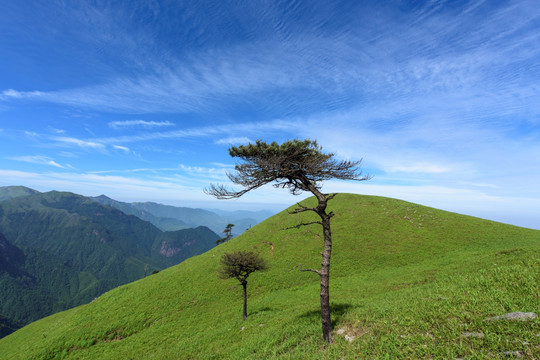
(407, 282)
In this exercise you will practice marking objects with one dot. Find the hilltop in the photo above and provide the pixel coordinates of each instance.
(407, 281)
(10, 192)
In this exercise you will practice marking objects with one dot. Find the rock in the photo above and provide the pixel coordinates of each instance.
(349, 338)
(516, 354)
(514, 316)
(472, 334)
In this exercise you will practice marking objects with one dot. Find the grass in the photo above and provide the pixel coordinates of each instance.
(407, 282)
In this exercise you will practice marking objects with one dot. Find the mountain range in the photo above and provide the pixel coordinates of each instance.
(59, 250)
(170, 218)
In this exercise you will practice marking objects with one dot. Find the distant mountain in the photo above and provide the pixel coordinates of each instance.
(257, 216)
(169, 218)
(161, 222)
(59, 250)
(242, 219)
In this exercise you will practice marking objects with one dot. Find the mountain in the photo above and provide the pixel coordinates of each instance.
(407, 282)
(170, 218)
(34, 284)
(60, 250)
(172, 247)
(10, 192)
(163, 223)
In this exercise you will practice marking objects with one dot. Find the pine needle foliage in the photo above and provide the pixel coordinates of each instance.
(291, 165)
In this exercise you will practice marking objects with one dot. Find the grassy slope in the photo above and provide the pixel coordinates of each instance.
(407, 281)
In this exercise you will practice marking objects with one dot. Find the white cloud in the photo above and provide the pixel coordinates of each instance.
(79, 142)
(67, 154)
(204, 173)
(55, 131)
(419, 168)
(10, 93)
(233, 141)
(123, 148)
(480, 185)
(36, 159)
(139, 123)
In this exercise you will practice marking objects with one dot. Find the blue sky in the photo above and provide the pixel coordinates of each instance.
(139, 100)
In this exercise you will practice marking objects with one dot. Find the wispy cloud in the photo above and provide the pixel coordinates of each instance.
(139, 123)
(67, 154)
(123, 148)
(233, 141)
(430, 58)
(36, 159)
(80, 143)
(14, 94)
(55, 130)
(257, 128)
(420, 168)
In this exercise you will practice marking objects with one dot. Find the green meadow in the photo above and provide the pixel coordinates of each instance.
(407, 282)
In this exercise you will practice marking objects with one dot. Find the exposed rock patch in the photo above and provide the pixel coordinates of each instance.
(514, 316)
(473, 334)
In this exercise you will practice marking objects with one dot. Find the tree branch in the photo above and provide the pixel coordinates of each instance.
(301, 208)
(221, 192)
(330, 196)
(300, 266)
(302, 224)
(312, 270)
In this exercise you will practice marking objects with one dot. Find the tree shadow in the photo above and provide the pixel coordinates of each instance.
(264, 309)
(337, 310)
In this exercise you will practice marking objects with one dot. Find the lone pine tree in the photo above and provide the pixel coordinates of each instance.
(296, 165)
(240, 265)
(228, 234)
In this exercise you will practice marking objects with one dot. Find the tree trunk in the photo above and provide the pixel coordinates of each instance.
(325, 281)
(320, 209)
(244, 285)
(325, 263)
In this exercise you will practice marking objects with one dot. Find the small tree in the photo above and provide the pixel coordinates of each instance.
(228, 234)
(240, 265)
(296, 165)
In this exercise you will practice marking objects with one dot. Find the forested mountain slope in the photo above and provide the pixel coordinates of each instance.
(64, 249)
